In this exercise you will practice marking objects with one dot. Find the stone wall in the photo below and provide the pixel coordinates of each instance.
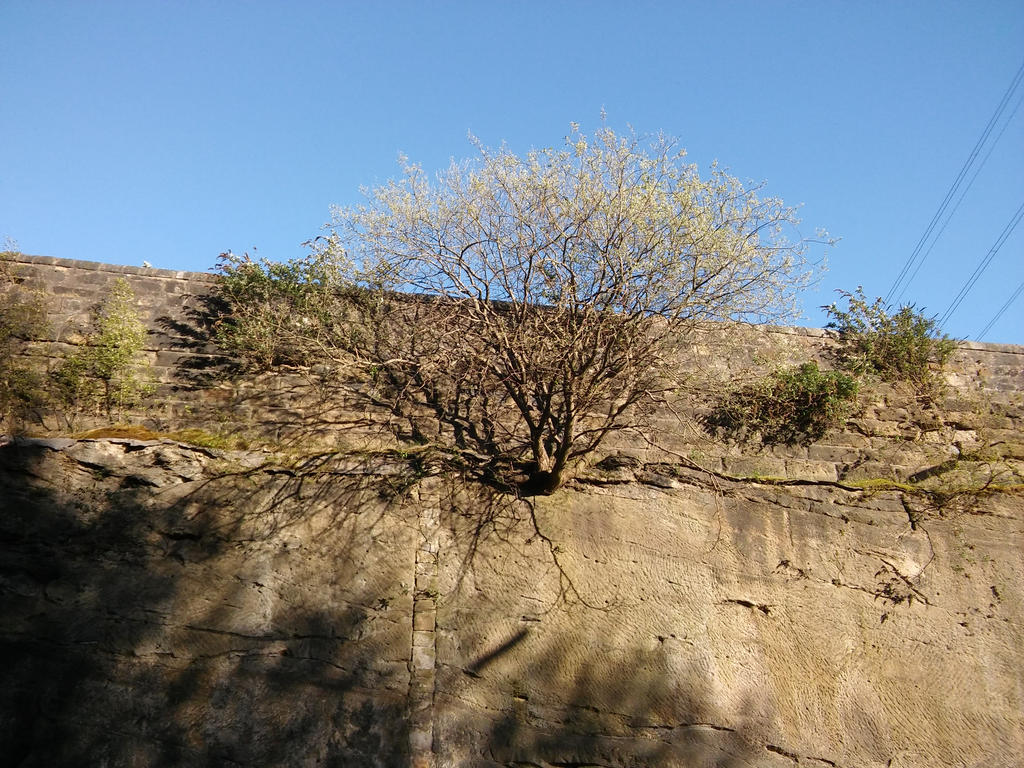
(183, 361)
(853, 603)
(168, 302)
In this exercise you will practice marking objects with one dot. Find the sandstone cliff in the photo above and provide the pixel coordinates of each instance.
(855, 602)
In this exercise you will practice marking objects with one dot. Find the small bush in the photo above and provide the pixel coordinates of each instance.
(793, 405)
(277, 313)
(106, 373)
(896, 346)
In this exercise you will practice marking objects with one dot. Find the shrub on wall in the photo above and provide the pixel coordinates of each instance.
(106, 374)
(904, 345)
(278, 313)
(791, 405)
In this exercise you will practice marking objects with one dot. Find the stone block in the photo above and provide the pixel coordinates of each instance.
(425, 621)
(871, 470)
(799, 469)
(892, 414)
(830, 453)
(876, 427)
(422, 657)
(747, 466)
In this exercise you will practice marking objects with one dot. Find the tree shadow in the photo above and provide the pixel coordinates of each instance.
(166, 607)
(155, 626)
(536, 668)
(316, 406)
(194, 333)
(625, 713)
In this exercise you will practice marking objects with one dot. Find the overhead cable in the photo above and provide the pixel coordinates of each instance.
(959, 200)
(917, 254)
(980, 269)
(1002, 309)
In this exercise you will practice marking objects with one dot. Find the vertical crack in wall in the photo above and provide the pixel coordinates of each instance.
(423, 654)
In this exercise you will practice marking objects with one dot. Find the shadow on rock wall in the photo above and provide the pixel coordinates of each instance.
(154, 626)
(292, 406)
(193, 333)
(624, 713)
(536, 668)
(164, 609)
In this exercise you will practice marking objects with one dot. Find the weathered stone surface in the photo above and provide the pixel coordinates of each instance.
(262, 616)
(246, 618)
(721, 629)
(685, 602)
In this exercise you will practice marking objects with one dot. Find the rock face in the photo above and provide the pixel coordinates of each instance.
(743, 624)
(855, 602)
(170, 605)
(165, 607)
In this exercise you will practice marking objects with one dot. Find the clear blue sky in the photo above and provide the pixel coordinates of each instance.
(168, 132)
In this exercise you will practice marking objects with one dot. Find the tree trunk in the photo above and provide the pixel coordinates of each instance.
(541, 482)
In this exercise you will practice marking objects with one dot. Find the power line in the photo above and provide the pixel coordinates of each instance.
(1002, 309)
(980, 269)
(960, 199)
(916, 254)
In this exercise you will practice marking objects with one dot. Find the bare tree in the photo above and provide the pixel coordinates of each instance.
(530, 306)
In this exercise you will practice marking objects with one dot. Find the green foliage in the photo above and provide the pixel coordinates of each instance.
(896, 346)
(278, 313)
(789, 406)
(22, 320)
(106, 373)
